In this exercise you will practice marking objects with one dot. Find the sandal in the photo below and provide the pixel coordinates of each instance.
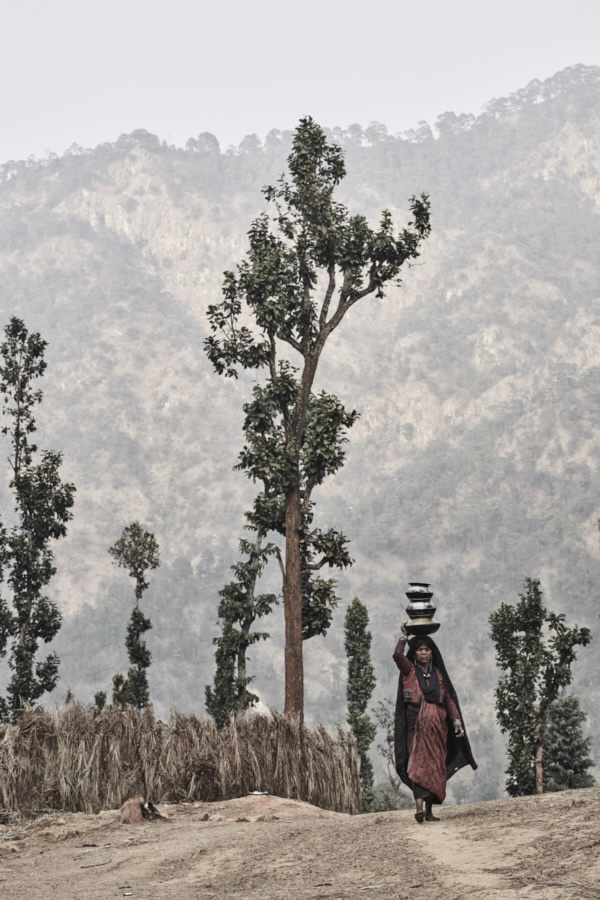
(420, 816)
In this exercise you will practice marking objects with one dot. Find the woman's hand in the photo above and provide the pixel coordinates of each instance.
(404, 631)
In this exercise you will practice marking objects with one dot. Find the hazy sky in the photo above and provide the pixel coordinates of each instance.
(85, 71)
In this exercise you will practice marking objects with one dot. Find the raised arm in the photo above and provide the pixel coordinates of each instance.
(400, 659)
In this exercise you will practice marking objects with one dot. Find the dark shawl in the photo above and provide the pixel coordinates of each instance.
(458, 750)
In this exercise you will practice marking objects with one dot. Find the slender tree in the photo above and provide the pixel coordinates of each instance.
(222, 699)
(359, 688)
(42, 505)
(239, 607)
(306, 267)
(566, 749)
(536, 668)
(137, 551)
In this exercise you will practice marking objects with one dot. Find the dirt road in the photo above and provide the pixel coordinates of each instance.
(546, 847)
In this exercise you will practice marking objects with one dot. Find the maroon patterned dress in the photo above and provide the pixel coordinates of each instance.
(427, 730)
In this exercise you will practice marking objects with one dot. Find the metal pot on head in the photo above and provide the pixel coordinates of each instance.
(420, 609)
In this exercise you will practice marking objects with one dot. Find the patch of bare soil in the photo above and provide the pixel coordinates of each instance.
(542, 848)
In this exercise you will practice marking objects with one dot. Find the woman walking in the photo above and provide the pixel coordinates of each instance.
(430, 739)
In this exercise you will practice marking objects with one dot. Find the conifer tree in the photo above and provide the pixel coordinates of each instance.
(566, 750)
(536, 668)
(42, 506)
(137, 551)
(360, 686)
(308, 264)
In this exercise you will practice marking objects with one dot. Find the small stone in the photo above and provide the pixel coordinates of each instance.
(11, 848)
(216, 818)
(205, 817)
(379, 820)
(131, 811)
(242, 819)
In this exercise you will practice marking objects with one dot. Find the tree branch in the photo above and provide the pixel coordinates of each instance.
(310, 483)
(280, 560)
(293, 343)
(328, 296)
(530, 702)
(345, 302)
(273, 371)
(272, 356)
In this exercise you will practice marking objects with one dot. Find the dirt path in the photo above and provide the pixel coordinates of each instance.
(546, 847)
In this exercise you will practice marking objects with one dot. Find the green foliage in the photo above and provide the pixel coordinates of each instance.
(238, 609)
(282, 299)
(566, 750)
(137, 551)
(222, 698)
(42, 504)
(315, 233)
(121, 694)
(360, 686)
(537, 668)
(265, 458)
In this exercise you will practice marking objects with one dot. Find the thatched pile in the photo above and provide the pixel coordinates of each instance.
(78, 760)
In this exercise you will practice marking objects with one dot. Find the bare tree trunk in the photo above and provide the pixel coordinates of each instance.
(539, 769)
(292, 582)
(241, 674)
(292, 606)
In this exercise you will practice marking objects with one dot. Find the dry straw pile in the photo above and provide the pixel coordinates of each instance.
(76, 760)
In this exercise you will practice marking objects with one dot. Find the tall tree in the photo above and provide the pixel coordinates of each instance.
(137, 551)
(359, 688)
(536, 668)
(307, 265)
(567, 750)
(42, 506)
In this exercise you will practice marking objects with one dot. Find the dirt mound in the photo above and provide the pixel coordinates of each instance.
(269, 847)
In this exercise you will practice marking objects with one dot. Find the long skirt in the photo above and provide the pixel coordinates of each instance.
(427, 735)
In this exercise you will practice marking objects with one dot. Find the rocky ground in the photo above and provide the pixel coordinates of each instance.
(268, 847)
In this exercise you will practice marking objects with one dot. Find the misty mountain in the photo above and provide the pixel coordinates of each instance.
(475, 462)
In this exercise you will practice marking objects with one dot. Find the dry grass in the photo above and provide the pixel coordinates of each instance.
(73, 759)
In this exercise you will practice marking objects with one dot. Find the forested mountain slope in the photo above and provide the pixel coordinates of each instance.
(476, 459)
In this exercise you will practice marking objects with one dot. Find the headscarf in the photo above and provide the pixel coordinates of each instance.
(431, 691)
(458, 750)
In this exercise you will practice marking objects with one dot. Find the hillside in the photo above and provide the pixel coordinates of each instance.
(474, 463)
(271, 848)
